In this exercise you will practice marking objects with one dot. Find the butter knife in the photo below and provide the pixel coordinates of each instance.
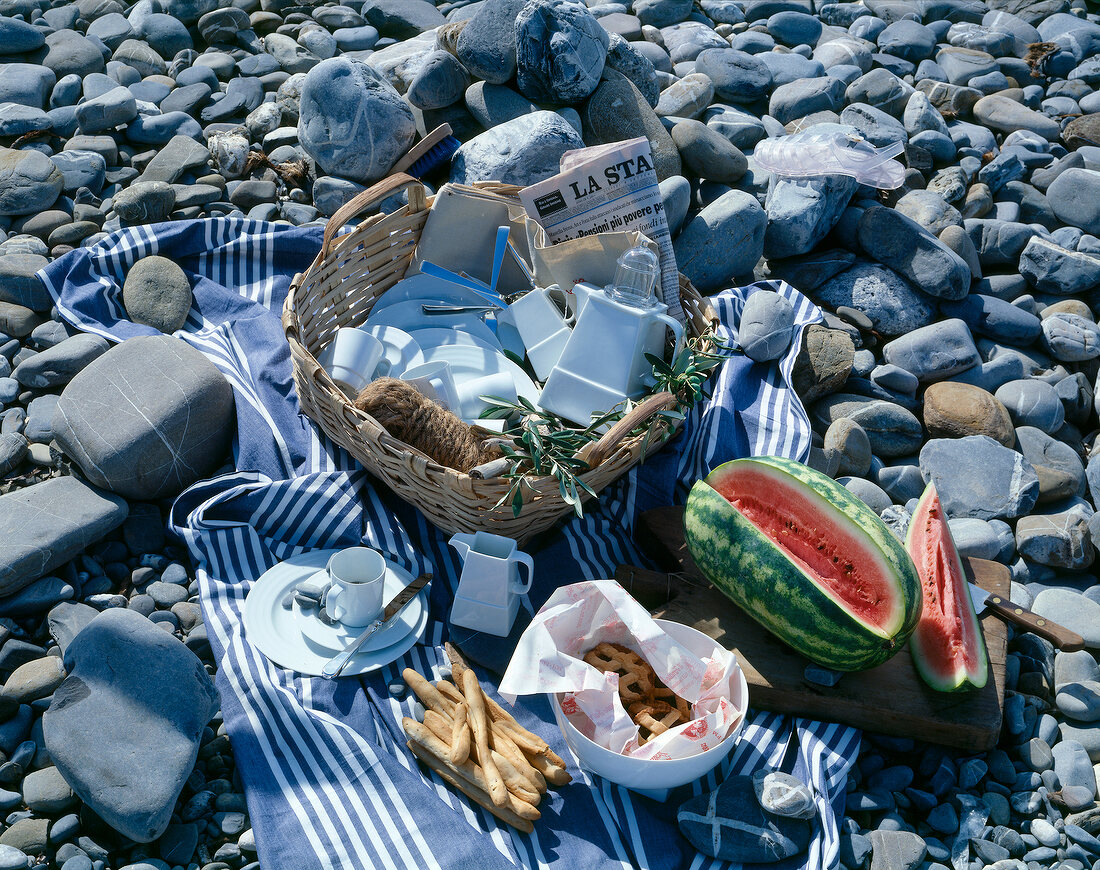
(1061, 637)
(337, 663)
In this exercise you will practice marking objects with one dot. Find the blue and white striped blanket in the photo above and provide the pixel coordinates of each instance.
(327, 777)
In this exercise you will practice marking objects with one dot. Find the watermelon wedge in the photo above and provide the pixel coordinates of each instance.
(947, 646)
(806, 559)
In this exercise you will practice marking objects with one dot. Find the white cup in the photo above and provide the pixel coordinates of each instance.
(351, 358)
(358, 575)
(434, 380)
(470, 403)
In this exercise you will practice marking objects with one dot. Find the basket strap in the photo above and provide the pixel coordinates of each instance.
(375, 193)
(596, 452)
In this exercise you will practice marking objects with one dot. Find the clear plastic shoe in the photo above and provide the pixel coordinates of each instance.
(832, 152)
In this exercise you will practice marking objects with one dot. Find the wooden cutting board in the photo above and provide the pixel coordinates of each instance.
(890, 699)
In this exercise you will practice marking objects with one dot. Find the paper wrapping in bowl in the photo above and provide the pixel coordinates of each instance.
(549, 655)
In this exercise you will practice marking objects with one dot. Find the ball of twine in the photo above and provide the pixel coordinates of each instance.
(412, 417)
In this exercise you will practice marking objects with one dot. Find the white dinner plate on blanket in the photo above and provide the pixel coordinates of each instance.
(277, 631)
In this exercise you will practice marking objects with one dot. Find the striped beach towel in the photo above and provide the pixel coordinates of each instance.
(327, 777)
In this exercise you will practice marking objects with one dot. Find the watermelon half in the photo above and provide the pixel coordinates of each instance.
(947, 646)
(806, 559)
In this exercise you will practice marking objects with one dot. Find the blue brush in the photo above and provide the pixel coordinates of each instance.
(431, 152)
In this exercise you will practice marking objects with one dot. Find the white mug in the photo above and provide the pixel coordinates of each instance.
(470, 403)
(355, 596)
(434, 380)
(351, 358)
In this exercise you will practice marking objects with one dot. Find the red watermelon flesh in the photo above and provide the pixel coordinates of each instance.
(947, 645)
(837, 557)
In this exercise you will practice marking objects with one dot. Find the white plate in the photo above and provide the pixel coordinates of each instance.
(336, 637)
(427, 288)
(277, 633)
(430, 338)
(468, 363)
(409, 317)
(399, 349)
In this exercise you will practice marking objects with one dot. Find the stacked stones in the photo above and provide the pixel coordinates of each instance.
(960, 343)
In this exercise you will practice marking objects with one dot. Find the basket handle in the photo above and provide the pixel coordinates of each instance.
(596, 452)
(374, 193)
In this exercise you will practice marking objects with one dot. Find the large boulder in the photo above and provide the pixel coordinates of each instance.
(560, 52)
(124, 727)
(147, 419)
(353, 122)
(522, 151)
(43, 526)
(31, 182)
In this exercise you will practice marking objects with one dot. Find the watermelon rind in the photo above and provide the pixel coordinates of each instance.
(960, 678)
(762, 579)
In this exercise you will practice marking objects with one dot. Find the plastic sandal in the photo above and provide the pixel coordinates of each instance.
(833, 152)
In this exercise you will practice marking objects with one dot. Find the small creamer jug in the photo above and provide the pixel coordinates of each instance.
(490, 586)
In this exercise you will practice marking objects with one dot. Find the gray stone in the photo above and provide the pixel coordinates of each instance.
(1006, 115)
(687, 98)
(560, 52)
(157, 293)
(802, 211)
(995, 319)
(18, 283)
(1054, 269)
(103, 113)
(766, 326)
(71, 52)
(894, 306)
(1080, 701)
(352, 122)
(1032, 402)
(13, 450)
(805, 96)
(783, 794)
(1071, 763)
(33, 680)
(124, 727)
(903, 245)
(977, 477)
(1071, 609)
(732, 825)
(896, 850)
(522, 151)
(1070, 337)
(57, 365)
(46, 791)
(67, 619)
(441, 81)
(738, 77)
(145, 202)
(617, 110)
(848, 441)
(487, 44)
(725, 239)
(32, 182)
(155, 450)
(1075, 197)
(707, 153)
(934, 352)
(1061, 540)
(45, 525)
(27, 83)
(891, 429)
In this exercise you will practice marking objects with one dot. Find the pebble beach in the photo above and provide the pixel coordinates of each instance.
(960, 343)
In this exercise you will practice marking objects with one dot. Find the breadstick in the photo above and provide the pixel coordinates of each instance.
(516, 784)
(496, 712)
(450, 691)
(480, 723)
(555, 774)
(503, 744)
(460, 735)
(427, 693)
(467, 771)
(472, 792)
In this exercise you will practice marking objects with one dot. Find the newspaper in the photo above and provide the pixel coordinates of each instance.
(608, 188)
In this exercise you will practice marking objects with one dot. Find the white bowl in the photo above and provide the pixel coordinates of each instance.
(656, 776)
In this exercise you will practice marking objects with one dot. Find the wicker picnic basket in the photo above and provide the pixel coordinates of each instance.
(340, 287)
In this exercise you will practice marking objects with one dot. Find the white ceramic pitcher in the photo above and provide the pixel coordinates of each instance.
(489, 587)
